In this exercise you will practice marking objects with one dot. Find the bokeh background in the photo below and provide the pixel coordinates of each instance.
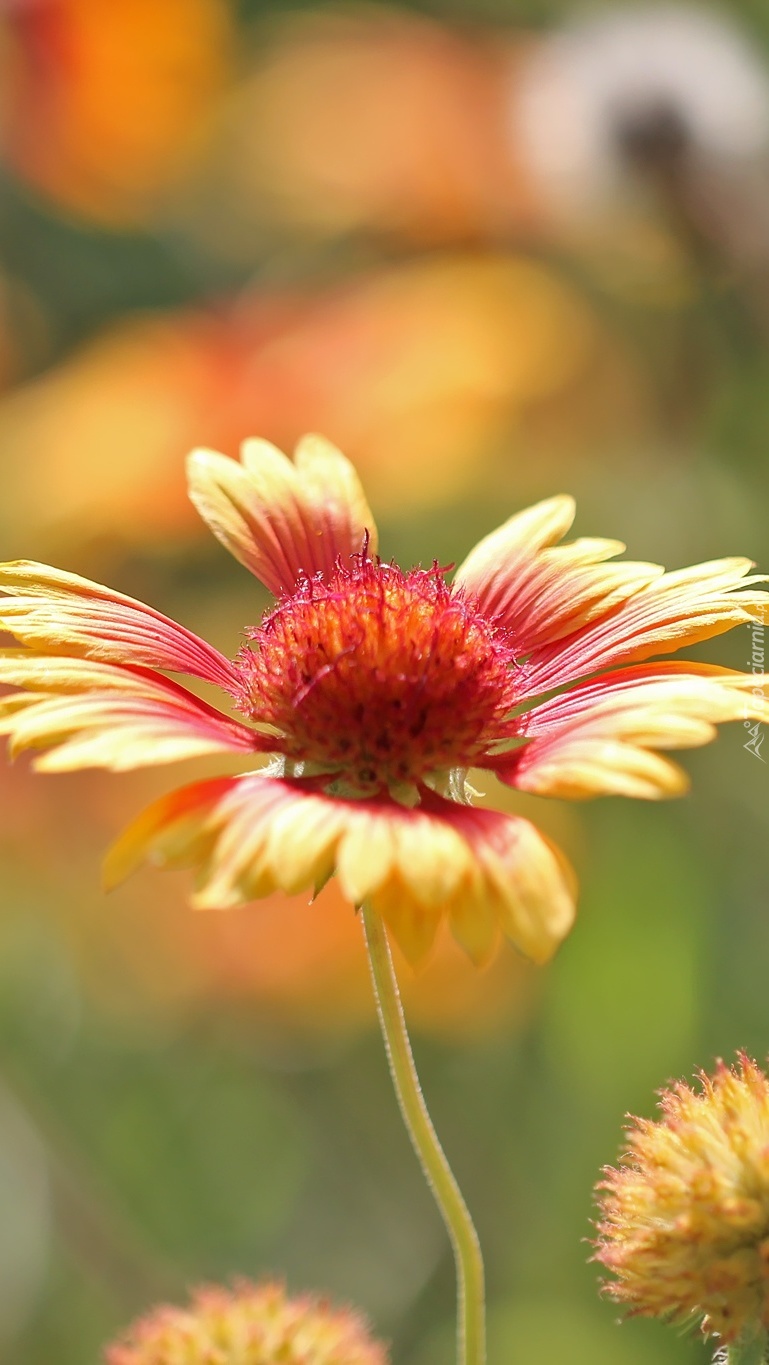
(496, 250)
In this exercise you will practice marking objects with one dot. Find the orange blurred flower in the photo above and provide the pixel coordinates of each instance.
(370, 118)
(424, 370)
(111, 100)
(105, 434)
(432, 373)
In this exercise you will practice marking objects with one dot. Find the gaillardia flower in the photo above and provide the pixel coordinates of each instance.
(376, 690)
(252, 1324)
(685, 1218)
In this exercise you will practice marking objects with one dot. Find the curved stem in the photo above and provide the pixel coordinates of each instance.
(471, 1324)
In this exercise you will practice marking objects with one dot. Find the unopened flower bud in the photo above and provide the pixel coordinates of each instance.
(251, 1324)
(685, 1218)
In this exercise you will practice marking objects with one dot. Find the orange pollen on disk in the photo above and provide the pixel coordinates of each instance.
(377, 676)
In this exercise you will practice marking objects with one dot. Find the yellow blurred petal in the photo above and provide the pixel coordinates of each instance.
(609, 768)
(236, 870)
(537, 888)
(300, 845)
(171, 832)
(475, 919)
(412, 924)
(431, 858)
(365, 857)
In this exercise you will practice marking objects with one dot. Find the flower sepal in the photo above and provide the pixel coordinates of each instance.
(751, 1349)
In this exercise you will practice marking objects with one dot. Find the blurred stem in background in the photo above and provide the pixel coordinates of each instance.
(471, 1321)
(89, 1221)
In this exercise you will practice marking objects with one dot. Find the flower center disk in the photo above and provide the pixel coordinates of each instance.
(378, 677)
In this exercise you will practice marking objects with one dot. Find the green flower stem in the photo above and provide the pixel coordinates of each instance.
(745, 1353)
(471, 1324)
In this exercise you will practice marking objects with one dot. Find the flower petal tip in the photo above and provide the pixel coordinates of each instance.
(282, 518)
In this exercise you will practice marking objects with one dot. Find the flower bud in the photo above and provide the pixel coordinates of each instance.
(685, 1218)
(250, 1324)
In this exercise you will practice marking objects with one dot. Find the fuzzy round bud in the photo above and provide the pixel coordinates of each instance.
(685, 1218)
(251, 1324)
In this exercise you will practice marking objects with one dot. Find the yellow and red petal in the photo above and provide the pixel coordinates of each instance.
(174, 832)
(251, 835)
(282, 518)
(92, 714)
(525, 878)
(676, 609)
(60, 613)
(541, 591)
(599, 738)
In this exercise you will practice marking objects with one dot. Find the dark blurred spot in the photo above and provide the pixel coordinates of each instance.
(652, 137)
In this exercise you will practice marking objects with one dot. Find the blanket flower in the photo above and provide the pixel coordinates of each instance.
(368, 693)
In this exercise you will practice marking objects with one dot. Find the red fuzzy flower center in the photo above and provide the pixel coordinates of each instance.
(378, 677)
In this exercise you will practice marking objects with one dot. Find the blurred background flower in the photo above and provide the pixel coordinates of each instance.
(250, 1324)
(107, 105)
(495, 252)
